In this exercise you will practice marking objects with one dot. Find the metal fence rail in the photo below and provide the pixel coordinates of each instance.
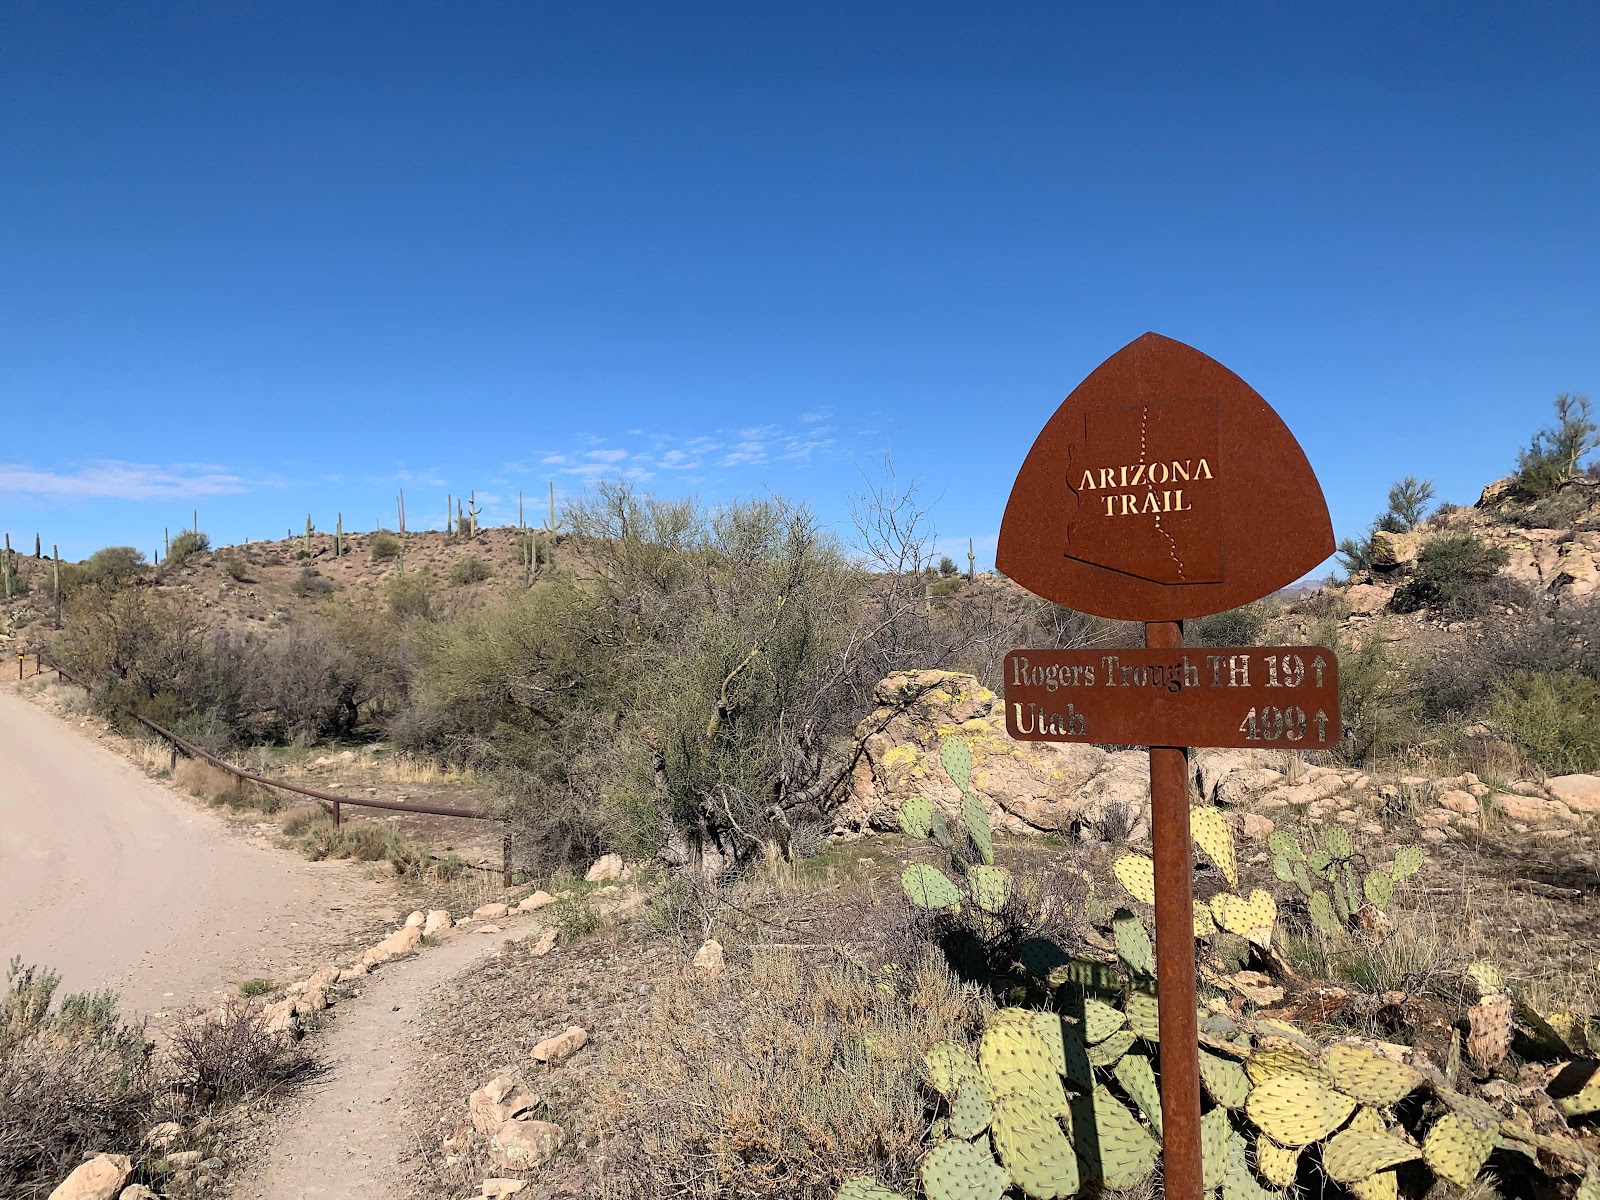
(332, 800)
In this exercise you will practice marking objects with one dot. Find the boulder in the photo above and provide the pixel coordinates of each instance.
(524, 1145)
(353, 972)
(402, 941)
(545, 944)
(282, 1018)
(1026, 787)
(1534, 810)
(323, 979)
(536, 901)
(184, 1159)
(1463, 803)
(490, 929)
(1255, 827)
(1580, 793)
(494, 1189)
(1497, 491)
(436, 921)
(1391, 550)
(490, 912)
(504, 1098)
(606, 868)
(708, 961)
(138, 1191)
(101, 1178)
(416, 919)
(563, 1046)
(162, 1136)
(1576, 573)
(1367, 599)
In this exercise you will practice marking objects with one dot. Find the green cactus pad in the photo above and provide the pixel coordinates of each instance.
(976, 819)
(1225, 1080)
(1284, 868)
(1585, 1101)
(1137, 874)
(1302, 880)
(1237, 1181)
(1283, 845)
(1384, 1185)
(969, 1109)
(1209, 829)
(1352, 889)
(1133, 943)
(1068, 1051)
(941, 832)
(916, 817)
(1407, 862)
(1271, 1027)
(1361, 1153)
(1336, 840)
(1204, 926)
(1319, 861)
(1378, 887)
(863, 1188)
(929, 887)
(1113, 1048)
(1037, 1154)
(948, 1066)
(1486, 976)
(1341, 899)
(1589, 1189)
(1016, 1060)
(1214, 1130)
(956, 756)
(1367, 1075)
(990, 887)
(1138, 1079)
(1100, 1020)
(1295, 1111)
(1274, 1056)
(1322, 915)
(1456, 1148)
(957, 1170)
(1251, 918)
(1127, 1152)
(1277, 1164)
(1144, 1014)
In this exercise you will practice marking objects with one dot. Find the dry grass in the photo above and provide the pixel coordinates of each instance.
(784, 1081)
(200, 778)
(407, 768)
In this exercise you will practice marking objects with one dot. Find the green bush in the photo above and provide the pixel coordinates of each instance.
(1553, 718)
(1378, 699)
(383, 546)
(1237, 627)
(237, 569)
(186, 544)
(1557, 452)
(411, 594)
(309, 583)
(1454, 576)
(470, 570)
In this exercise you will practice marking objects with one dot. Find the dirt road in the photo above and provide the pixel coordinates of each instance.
(116, 881)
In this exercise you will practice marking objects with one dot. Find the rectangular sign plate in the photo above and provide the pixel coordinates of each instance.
(1255, 697)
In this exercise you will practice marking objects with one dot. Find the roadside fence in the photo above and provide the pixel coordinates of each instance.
(331, 801)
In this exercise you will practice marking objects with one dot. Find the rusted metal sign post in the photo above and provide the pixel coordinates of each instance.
(1165, 488)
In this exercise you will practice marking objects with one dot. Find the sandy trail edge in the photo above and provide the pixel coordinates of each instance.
(344, 1136)
(116, 881)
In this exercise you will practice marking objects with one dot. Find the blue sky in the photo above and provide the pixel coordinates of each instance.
(268, 259)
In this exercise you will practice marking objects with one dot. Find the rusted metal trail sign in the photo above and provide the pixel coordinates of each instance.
(1165, 488)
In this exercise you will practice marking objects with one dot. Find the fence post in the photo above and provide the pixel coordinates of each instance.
(173, 765)
(505, 857)
(337, 818)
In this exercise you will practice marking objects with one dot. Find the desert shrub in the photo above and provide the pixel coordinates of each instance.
(1237, 627)
(1378, 698)
(188, 543)
(202, 779)
(1562, 508)
(236, 568)
(74, 1078)
(1557, 451)
(1408, 503)
(383, 546)
(410, 595)
(782, 1083)
(1552, 717)
(111, 566)
(222, 1056)
(469, 571)
(302, 819)
(309, 583)
(251, 988)
(536, 543)
(1454, 576)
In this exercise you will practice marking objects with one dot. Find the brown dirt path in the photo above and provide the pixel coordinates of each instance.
(116, 881)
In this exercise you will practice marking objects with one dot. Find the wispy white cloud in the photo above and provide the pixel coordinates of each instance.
(111, 479)
(640, 455)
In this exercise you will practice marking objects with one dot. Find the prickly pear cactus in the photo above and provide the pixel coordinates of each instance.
(916, 817)
(958, 1170)
(929, 887)
(1137, 874)
(956, 756)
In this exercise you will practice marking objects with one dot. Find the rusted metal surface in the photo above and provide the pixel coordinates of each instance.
(1175, 989)
(1163, 488)
(1259, 697)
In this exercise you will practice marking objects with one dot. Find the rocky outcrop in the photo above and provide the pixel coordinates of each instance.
(101, 1178)
(1028, 787)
